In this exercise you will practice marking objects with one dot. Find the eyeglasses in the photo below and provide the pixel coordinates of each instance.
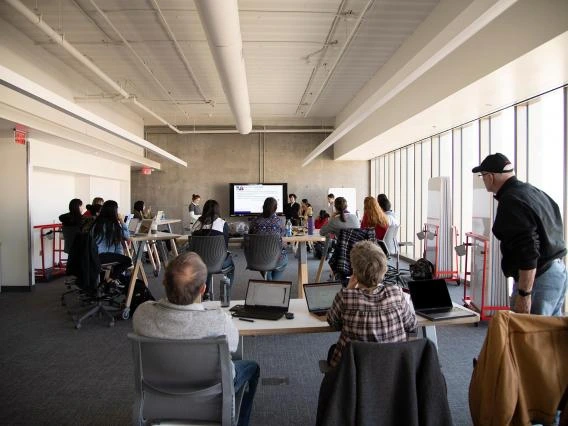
(484, 174)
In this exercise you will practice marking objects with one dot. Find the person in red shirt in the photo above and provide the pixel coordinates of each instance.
(322, 219)
(374, 217)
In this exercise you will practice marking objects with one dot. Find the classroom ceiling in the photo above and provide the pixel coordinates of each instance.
(290, 49)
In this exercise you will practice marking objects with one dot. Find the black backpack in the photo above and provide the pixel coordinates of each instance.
(422, 270)
(141, 294)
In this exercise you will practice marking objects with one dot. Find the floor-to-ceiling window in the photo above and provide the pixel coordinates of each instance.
(531, 133)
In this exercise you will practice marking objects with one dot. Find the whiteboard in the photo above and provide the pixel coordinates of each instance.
(350, 194)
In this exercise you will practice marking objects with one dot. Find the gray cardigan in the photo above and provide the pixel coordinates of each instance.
(335, 225)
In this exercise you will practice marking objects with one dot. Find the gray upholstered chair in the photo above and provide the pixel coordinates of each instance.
(189, 381)
(213, 251)
(262, 252)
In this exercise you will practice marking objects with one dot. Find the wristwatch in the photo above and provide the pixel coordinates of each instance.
(523, 293)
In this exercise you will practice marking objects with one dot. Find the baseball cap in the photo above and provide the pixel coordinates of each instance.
(494, 163)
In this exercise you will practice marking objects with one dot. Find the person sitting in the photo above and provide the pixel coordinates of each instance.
(292, 210)
(92, 211)
(181, 315)
(210, 223)
(367, 310)
(374, 217)
(140, 211)
(385, 204)
(268, 223)
(321, 220)
(194, 208)
(109, 232)
(342, 219)
(72, 222)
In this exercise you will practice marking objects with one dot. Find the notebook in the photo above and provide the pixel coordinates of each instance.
(265, 300)
(320, 296)
(145, 227)
(431, 300)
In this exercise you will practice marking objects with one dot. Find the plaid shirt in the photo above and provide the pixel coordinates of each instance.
(380, 315)
(347, 238)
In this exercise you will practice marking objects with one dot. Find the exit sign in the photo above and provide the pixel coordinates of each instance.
(20, 136)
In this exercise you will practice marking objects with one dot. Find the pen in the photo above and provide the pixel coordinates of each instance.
(246, 319)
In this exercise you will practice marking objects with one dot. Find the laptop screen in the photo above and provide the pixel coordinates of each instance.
(268, 293)
(133, 224)
(145, 226)
(429, 294)
(320, 296)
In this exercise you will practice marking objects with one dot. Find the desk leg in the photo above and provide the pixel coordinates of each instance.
(322, 260)
(133, 277)
(429, 332)
(302, 269)
(163, 252)
(174, 247)
(238, 355)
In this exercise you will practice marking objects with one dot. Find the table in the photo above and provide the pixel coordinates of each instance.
(168, 222)
(140, 240)
(304, 322)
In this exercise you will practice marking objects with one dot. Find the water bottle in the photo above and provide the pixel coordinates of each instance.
(225, 290)
(288, 228)
(310, 225)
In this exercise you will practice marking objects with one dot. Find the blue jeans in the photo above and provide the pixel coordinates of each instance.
(548, 291)
(277, 272)
(246, 371)
(231, 274)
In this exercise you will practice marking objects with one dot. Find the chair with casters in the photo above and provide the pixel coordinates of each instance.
(91, 279)
(262, 252)
(213, 252)
(340, 262)
(189, 381)
(391, 247)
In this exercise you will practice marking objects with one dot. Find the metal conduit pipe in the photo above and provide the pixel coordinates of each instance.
(230, 131)
(220, 20)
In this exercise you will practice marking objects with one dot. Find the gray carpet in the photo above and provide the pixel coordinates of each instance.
(54, 374)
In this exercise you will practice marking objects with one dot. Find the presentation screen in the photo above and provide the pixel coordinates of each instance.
(248, 198)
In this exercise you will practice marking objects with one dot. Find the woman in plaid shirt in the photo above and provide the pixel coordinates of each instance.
(367, 310)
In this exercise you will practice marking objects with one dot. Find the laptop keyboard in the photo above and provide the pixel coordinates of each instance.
(258, 314)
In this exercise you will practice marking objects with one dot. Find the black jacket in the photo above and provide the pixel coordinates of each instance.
(292, 211)
(385, 384)
(529, 226)
(83, 262)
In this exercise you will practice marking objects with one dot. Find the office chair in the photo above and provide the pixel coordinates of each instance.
(262, 252)
(407, 389)
(213, 252)
(391, 247)
(91, 277)
(340, 263)
(184, 380)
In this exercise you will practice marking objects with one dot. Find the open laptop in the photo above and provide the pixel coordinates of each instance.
(145, 227)
(133, 224)
(160, 215)
(265, 300)
(431, 300)
(320, 296)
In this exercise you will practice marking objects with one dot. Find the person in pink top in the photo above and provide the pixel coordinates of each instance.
(374, 217)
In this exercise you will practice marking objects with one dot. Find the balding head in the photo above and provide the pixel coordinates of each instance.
(185, 279)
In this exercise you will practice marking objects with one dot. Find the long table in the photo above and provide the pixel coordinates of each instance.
(304, 322)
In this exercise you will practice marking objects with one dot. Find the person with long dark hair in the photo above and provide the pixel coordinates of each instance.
(211, 223)
(109, 232)
(342, 219)
(140, 212)
(72, 222)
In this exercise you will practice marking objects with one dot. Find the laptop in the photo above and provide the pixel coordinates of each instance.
(267, 300)
(145, 227)
(133, 224)
(160, 215)
(431, 300)
(320, 296)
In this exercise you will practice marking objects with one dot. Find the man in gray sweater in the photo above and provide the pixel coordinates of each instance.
(183, 316)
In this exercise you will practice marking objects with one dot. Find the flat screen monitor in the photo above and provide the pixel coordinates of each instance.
(248, 198)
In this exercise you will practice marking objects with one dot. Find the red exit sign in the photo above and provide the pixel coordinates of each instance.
(20, 136)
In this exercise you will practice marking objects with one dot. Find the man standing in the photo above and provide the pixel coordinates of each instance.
(330, 204)
(183, 316)
(292, 210)
(529, 227)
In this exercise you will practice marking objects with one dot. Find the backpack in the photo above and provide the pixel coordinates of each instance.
(141, 294)
(422, 270)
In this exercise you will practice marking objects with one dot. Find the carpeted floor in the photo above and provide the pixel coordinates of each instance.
(55, 375)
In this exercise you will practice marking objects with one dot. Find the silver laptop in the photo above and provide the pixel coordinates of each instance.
(320, 297)
(145, 227)
(265, 300)
(431, 300)
(133, 224)
(160, 215)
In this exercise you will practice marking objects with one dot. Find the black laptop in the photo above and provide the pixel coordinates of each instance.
(320, 296)
(431, 300)
(267, 300)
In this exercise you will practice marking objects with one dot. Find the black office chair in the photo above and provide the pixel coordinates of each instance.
(262, 252)
(213, 252)
(184, 380)
(391, 247)
(340, 263)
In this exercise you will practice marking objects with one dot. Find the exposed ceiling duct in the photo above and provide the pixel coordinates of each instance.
(220, 20)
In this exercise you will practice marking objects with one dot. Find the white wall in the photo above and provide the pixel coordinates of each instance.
(14, 237)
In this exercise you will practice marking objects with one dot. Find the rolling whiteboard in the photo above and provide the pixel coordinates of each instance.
(350, 194)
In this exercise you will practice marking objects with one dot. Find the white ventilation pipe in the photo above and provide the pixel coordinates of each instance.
(220, 20)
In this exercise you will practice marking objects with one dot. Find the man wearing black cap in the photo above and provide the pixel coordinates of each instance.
(529, 226)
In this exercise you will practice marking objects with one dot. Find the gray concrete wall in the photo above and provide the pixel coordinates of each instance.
(215, 160)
